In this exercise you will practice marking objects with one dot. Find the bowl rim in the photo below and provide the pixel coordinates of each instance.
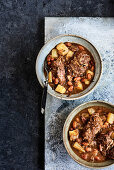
(65, 145)
(62, 97)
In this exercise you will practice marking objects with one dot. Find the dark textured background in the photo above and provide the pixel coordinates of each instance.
(21, 37)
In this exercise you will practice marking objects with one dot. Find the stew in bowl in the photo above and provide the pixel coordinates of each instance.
(71, 68)
(88, 134)
(91, 134)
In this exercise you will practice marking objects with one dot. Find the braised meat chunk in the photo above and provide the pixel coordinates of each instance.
(84, 118)
(110, 153)
(93, 127)
(83, 58)
(79, 64)
(105, 142)
(75, 68)
(59, 64)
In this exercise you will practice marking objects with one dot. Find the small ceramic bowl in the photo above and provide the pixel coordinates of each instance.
(66, 140)
(49, 46)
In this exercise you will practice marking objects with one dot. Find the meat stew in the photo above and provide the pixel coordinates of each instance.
(71, 68)
(91, 134)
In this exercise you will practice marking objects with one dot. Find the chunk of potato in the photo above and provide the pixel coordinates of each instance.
(62, 49)
(69, 54)
(60, 89)
(50, 77)
(90, 72)
(54, 53)
(79, 85)
(78, 147)
(110, 118)
(73, 134)
(91, 111)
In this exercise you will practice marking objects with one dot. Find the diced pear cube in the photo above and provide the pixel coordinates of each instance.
(69, 54)
(54, 53)
(77, 146)
(73, 134)
(110, 118)
(90, 72)
(87, 82)
(91, 111)
(69, 78)
(79, 85)
(62, 49)
(60, 89)
(50, 77)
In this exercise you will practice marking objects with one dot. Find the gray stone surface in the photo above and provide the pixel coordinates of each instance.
(100, 32)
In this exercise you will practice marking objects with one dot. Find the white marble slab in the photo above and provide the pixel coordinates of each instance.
(100, 32)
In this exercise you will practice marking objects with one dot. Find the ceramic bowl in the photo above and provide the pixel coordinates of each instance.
(65, 134)
(49, 46)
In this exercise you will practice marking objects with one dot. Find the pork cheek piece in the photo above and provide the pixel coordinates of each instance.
(83, 58)
(59, 64)
(79, 64)
(105, 143)
(92, 127)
